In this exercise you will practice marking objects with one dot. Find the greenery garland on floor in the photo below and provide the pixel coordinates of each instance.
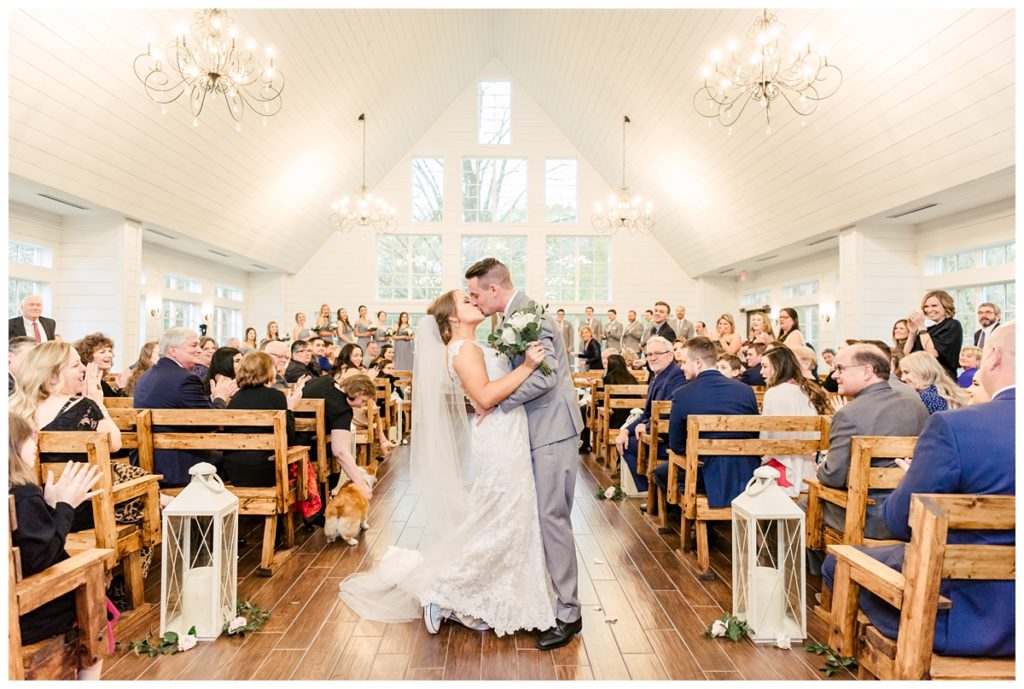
(250, 617)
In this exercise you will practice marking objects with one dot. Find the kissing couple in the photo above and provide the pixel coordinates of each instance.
(497, 550)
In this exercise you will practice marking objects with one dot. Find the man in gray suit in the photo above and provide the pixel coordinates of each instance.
(613, 332)
(682, 327)
(564, 327)
(553, 416)
(632, 331)
(862, 372)
(596, 326)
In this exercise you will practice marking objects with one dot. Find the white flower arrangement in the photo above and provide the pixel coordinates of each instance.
(518, 332)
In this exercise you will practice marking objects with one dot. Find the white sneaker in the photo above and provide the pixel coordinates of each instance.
(474, 623)
(432, 617)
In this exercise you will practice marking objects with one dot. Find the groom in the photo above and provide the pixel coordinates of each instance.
(553, 415)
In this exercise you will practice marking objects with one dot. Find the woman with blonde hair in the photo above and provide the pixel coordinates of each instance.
(760, 329)
(944, 338)
(148, 356)
(725, 334)
(923, 372)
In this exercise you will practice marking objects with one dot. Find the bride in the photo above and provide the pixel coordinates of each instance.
(481, 559)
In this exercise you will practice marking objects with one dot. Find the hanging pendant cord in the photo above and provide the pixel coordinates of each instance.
(362, 118)
(624, 121)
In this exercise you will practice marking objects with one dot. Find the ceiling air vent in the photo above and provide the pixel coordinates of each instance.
(160, 234)
(912, 210)
(767, 258)
(219, 253)
(823, 239)
(66, 203)
(721, 272)
(254, 265)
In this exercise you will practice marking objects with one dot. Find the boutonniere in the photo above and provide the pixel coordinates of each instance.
(519, 330)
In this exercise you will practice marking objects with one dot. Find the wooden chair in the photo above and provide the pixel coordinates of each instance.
(863, 478)
(383, 394)
(135, 425)
(759, 395)
(118, 402)
(915, 591)
(367, 440)
(641, 375)
(268, 502)
(615, 397)
(696, 510)
(56, 658)
(125, 541)
(405, 406)
(647, 460)
(310, 418)
(596, 397)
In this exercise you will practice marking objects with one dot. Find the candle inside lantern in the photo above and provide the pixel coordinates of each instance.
(196, 600)
(767, 617)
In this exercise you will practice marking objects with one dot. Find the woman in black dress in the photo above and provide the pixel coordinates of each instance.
(590, 350)
(944, 339)
(223, 364)
(44, 521)
(252, 468)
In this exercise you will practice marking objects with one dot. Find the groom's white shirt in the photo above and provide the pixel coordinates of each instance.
(505, 314)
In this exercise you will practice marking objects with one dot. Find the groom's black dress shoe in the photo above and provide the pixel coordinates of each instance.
(559, 635)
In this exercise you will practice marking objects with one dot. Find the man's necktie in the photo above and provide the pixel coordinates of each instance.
(35, 331)
(981, 340)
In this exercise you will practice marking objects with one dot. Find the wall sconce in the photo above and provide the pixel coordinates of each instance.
(207, 317)
(825, 318)
(155, 313)
(826, 310)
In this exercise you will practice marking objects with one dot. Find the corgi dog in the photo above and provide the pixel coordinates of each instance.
(345, 514)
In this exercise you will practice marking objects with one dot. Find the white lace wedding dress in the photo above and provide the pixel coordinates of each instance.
(497, 573)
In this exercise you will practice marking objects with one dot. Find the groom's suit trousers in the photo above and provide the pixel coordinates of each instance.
(554, 471)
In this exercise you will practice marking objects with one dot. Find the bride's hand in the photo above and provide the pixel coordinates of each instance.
(534, 355)
(482, 414)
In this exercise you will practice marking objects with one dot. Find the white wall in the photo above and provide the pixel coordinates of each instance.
(982, 226)
(344, 271)
(33, 226)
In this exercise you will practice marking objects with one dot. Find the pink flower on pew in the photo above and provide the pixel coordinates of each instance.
(609, 492)
(718, 628)
(186, 641)
(783, 641)
(236, 624)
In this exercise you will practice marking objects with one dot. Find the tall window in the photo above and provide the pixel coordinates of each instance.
(181, 314)
(18, 290)
(408, 266)
(184, 284)
(809, 324)
(227, 323)
(967, 299)
(577, 269)
(758, 298)
(801, 289)
(560, 190)
(29, 254)
(227, 292)
(494, 105)
(977, 257)
(427, 189)
(494, 190)
(510, 250)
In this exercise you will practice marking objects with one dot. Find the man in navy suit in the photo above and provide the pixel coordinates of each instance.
(709, 392)
(752, 375)
(170, 384)
(967, 451)
(667, 379)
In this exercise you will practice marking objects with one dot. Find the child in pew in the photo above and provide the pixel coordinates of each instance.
(44, 518)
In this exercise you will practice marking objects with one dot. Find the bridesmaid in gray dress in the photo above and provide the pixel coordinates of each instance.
(403, 343)
(380, 335)
(362, 329)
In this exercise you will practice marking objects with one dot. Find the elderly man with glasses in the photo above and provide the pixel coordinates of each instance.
(278, 351)
(668, 377)
(862, 372)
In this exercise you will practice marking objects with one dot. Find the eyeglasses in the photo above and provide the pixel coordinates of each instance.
(650, 354)
(840, 368)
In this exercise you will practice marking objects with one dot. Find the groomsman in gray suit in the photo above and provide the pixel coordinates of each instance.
(648, 319)
(682, 327)
(632, 332)
(613, 332)
(596, 326)
(565, 327)
(553, 416)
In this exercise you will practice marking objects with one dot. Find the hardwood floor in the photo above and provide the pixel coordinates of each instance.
(644, 611)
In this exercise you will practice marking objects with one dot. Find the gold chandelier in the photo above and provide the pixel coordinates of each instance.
(767, 70)
(624, 211)
(364, 212)
(208, 62)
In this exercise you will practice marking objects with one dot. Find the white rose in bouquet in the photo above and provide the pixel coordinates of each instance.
(508, 336)
(521, 320)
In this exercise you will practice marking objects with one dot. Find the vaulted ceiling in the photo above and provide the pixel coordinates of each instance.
(927, 103)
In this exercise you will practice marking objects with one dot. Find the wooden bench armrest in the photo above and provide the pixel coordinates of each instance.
(882, 580)
(295, 453)
(137, 487)
(836, 496)
(58, 579)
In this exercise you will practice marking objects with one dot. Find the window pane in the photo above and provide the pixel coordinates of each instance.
(510, 250)
(494, 105)
(409, 266)
(494, 190)
(577, 269)
(995, 255)
(427, 189)
(966, 260)
(560, 191)
(947, 264)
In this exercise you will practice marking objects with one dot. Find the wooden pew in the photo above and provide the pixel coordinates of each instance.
(268, 502)
(647, 460)
(695, 506)
(125, 541)
(54, 658)
(759, 395)
(405, 406)
(383, 394)
(310, 418)
(118, 402)
(915, 590)
(367, 440)
(615, 397)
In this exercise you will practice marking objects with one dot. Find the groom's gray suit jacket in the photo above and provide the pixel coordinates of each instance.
(552, 409)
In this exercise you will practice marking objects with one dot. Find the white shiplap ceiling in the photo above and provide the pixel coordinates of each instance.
(927, 104)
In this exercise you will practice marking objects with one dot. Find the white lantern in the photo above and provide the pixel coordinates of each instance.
(199, 568)
(768, 583)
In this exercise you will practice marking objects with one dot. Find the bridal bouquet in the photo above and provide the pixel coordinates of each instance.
(520, 329)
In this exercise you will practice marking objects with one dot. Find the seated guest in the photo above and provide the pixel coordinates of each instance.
(299, 366)
(729, 365)
(900, 332)
(223, 364)
(616, 373)
(44, 520)
(17, 348)
(677, 350)
(99, 349)
(233, 343)
(807, 358)
(959, 453)
(937, 390)
(752, 376)
(387, 353)
(148, 355)
(789, 328)
(350, 361)
(791, 393)
(707, 391)
(725, 335)
(863, 373)
(760, 330)
(700, 329)
(590, 350)
(666, 379)
(342, 396)
(372, 350)
(970, 357)
(254, 468)
(320, 355)
(207, 346)
(894, 380)
(280, 353)
(170, 384)
(828, 383)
